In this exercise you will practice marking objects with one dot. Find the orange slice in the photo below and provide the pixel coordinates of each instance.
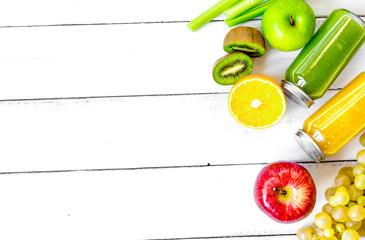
(257, 101)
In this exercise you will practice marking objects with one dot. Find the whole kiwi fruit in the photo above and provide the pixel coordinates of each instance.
(245, 39)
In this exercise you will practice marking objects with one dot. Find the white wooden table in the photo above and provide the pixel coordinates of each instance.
(113, 128)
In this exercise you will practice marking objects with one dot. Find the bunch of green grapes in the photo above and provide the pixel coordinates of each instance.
(343, 217)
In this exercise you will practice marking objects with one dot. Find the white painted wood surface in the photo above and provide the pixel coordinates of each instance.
(131, 59)
(112, 127)
(43, 12)
(144, 204)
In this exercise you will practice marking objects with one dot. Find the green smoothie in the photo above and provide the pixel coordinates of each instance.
(325, 56)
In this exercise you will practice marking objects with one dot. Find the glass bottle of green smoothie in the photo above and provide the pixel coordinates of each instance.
(324, 57)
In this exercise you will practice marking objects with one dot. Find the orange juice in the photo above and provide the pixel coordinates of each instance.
(333, 125)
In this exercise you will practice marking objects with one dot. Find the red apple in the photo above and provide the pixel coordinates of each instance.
(285, 191)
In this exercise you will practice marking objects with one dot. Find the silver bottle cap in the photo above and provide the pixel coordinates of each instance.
(309, 146)
(296, 94)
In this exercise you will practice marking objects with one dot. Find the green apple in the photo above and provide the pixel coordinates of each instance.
(288, 25)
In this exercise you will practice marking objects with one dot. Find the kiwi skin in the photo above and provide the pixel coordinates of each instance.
(228, 62)
(246, 39)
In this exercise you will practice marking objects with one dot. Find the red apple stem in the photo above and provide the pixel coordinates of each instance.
(279, 190)
(291, 20)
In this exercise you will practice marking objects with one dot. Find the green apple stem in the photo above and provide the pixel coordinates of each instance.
(291, 20)
(249, 14)
(210, 14)
(281, 191)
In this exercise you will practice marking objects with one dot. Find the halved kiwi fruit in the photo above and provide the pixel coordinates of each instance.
(228, 69)
(245, 39)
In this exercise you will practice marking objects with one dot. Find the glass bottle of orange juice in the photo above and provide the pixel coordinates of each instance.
(333, 125)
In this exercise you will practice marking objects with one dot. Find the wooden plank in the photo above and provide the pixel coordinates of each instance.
(57, 62)
(146, 131)
(144, 204)
(267, 237)
(42, 12)
(135, 132)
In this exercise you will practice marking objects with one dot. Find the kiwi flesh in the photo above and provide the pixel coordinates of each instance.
(245, 39)
(228, 69)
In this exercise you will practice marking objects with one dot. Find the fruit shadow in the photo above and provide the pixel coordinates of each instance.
(273, 63)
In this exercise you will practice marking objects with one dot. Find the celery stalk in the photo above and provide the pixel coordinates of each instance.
(249, 14)
(210, 14)
(240, 7)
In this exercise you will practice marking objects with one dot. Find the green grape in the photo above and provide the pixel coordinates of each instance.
(330, 192)
(347, 171)
(319, 232)
(342, 197)
(358, 169)
(360, 181)
(340, 227)
(354, 192)
(340, 213)
(350, 234)
(327, 208)
(323, 220)
(305, 233)
(356, 213)
(313, 226)
(353, 224)
(351, 204)
(361, 157)
(341, 189)
(362, 139)
(328, 232)
(361, 230)
(361, 200)
(342, 180)
(332, 201)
